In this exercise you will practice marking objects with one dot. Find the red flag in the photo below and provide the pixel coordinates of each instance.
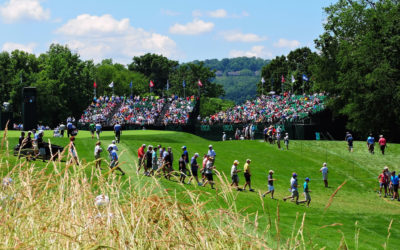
(151, 84)
(94, 85)
(199, 83)
(283, 79)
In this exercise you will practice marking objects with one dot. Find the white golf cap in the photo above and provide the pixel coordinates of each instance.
(324, 164)
(143, 145)
(236, 161)
(113, 141)
(210, 146)
(196, 154)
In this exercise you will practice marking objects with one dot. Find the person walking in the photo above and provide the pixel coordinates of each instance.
(306, 193)
(349, 139)
(286, 140)
(154, 161)
(194, 167)
(293, 189)
(98, 130)
(92, 129)
(117, 132)
(247, 175)
(235, 176)
(97, 154)
(148, 158)
(383, 180)
(114, 162)
(69, 128)
(371, 143)
(394, 182)
(141, 155)
(223, 136)
(382, 144)
(182, 168)
(324, 171)
(209, 172)
(211, 152)
(271, 189)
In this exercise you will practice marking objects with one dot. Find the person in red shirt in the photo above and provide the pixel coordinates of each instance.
(140, 154)
(383, 180)
(382, 144)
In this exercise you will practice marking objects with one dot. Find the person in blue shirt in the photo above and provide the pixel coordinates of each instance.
(349, 139)
(98, 130)
(69, 128)
(185, 152)
(371, 143)
(306, 192)
(114, 161)
(117, 131)
(394, 183)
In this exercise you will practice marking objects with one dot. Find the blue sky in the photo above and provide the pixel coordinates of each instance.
(178, 29)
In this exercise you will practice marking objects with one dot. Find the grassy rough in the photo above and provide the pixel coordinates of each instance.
(53, 203)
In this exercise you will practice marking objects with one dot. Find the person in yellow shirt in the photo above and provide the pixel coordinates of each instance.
(247, 175)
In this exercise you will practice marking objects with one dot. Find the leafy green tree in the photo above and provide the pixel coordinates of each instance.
(191, 73)
(210, 106)
(359, 64)
(156, 67)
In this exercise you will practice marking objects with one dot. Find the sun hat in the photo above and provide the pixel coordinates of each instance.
(236, 161)
(271, 171)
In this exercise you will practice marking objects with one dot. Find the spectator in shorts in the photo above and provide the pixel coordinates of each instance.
(383, 180)
(117, 132)
(388, 175)
(371, 143)
(204, 163)
(235, 176)
(154, 161)
(62, 129)
(394, 182)
(97, 154)
(98, 130)
(194, 167)
(247, 175)
(114, 162)
(73, 150)
(382, 144)
(182, 168)
(286, 140)
(92, 129)
(271, 188)
(306, 193)
(293, 189)
(324, 171)
(209, 172)
(141, 156)
(349, 139)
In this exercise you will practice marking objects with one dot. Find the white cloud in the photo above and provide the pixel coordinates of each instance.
(15, 10)
(17, 46)
(255, 51)
(220, 13)
(284, 43)
(99, 37)
(237, 36)
(195, 27)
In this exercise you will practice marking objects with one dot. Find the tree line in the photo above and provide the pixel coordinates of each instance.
(66, 84)
(357, 62)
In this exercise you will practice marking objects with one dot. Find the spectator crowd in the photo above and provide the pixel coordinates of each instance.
(270, 109)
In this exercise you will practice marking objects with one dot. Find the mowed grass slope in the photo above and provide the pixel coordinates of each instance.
(355, 207)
